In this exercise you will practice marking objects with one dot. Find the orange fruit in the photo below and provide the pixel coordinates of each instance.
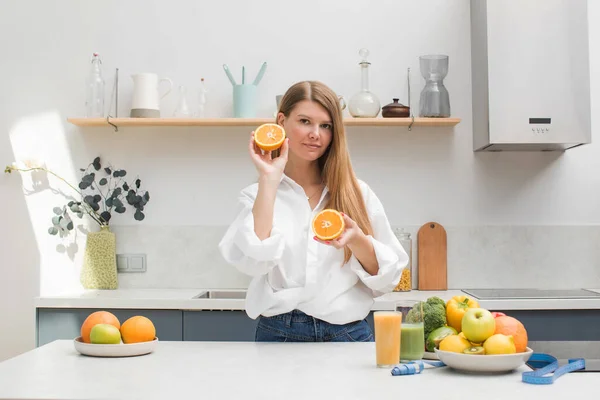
(269, 137)
(328, 224)
(95, 318)
(138, 329)
(510, 326)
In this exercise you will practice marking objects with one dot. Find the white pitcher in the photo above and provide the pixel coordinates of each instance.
(146, 98)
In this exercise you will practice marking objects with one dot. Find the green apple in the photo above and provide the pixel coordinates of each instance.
(105, 334)
(478, 324)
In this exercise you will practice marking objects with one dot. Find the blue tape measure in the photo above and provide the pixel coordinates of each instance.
(414, 367)
(548, 364)
(545, 364)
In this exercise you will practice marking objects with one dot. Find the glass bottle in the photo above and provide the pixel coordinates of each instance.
(405, 284)
(435, 101)
(200, 113)
(364, 104)
(94, 93)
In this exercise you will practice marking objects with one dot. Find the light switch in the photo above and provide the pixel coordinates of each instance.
(137, 263)
(122, 263)
(131, 263)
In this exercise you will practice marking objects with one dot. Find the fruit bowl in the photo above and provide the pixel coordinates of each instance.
(484, 363)
(114, 350)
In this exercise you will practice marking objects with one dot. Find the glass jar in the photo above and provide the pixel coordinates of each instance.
(182, 110)
(405, 284)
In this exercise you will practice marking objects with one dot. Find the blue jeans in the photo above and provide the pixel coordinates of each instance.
(297, 326)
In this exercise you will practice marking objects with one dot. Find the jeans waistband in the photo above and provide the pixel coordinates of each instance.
(293, 316)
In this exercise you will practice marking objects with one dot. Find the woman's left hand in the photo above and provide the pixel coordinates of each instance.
(351, 232)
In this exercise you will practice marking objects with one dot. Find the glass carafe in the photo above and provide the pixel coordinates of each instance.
(364, 103)
(435, 101)
(182, 110)
(94, 94)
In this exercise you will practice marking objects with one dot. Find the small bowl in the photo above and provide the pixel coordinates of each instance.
(484, 363)
(114, 350)
(395, 110)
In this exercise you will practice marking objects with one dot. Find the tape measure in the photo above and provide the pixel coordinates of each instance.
(546, 364)
(414, 367)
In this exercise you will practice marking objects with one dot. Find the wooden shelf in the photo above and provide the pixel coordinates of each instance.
(216, 122)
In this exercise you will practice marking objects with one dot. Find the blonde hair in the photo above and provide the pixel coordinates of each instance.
(336, 169)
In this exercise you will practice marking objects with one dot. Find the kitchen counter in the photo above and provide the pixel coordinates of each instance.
(229, 370)
(191, 299)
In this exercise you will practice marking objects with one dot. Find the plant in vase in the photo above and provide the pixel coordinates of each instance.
(102, 192)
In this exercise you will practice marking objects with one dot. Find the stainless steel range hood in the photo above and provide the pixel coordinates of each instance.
(530, 75)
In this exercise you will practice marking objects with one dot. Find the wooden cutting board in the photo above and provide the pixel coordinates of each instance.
(432, 257)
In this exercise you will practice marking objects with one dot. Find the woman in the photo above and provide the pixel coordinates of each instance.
(304, 289)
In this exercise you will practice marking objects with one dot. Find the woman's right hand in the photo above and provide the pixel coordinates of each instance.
(268, 168)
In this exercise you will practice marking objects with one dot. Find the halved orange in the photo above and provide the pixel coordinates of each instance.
(269, 137)
(328, 224)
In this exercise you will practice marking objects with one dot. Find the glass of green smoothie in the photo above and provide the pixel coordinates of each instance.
(412, 337)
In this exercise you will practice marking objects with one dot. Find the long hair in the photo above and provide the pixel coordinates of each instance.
(336, 169)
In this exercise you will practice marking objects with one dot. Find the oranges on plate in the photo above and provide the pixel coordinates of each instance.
(328, 224)
(269, 137)
(108, 329)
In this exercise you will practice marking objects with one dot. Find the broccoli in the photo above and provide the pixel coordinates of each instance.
(437, 300)
(435, 314)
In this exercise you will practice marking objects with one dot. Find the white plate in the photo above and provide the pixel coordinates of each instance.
(430, 355)
(484, 363)
(114, 350)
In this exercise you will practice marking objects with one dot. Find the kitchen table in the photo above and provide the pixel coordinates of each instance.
(248, 370)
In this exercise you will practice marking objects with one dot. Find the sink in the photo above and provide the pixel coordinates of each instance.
(222, 294)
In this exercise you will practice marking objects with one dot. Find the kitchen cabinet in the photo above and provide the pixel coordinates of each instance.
(65, 323)
(222, 325)
(559, 325)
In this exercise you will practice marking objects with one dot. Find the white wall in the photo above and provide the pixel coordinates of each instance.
(194, 175)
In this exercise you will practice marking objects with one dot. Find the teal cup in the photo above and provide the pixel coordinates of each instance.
(244, 101)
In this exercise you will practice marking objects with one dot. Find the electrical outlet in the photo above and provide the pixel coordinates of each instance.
(131, 263)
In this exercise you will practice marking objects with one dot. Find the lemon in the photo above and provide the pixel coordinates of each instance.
(454, 344)
(500, 344)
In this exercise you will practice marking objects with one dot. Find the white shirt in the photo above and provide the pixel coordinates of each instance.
(291, 270)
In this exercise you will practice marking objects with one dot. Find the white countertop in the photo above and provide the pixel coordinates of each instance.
(189, 299)
(186, 299)
(234, 370)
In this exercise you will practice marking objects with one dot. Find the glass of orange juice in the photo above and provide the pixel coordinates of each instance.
(388, 326)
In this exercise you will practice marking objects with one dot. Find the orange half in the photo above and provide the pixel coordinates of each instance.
(269, 137)
(328, 224)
